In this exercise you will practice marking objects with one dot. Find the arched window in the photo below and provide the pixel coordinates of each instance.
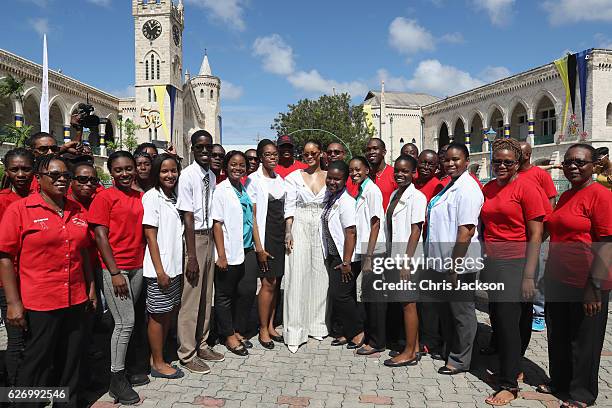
(201, 93)
(147, 70)
(211, 94)
(152, 66)
(157, 69)
(609, 115)
(149, 90)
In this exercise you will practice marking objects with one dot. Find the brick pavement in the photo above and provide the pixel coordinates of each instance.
(323, 376)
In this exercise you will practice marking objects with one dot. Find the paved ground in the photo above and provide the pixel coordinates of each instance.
(323, 376)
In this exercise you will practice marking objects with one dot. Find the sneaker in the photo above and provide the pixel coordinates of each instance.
(209, 354)
(196, 366)
(538, 324)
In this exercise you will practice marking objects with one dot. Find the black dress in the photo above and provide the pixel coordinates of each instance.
(275, 237)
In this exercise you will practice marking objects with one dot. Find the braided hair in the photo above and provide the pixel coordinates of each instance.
(11, 154)
(508, 144)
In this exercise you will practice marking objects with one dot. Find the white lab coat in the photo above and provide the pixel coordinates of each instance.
(409, 210)
(369, 205)
(257, 188)
(226, 208)
(341, 216)
(457, 205)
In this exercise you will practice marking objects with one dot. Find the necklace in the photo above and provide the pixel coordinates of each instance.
(58, 210)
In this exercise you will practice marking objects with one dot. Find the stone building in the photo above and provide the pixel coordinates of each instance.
(526, 106)
(167, 106)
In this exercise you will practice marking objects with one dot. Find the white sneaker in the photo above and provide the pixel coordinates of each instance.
(293, 349)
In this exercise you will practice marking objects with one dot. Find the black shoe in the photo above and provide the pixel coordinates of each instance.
(136, 380)
(278, 339)
(247, 344)
(352, 346)
(412, 362)
(445, 370)
(266, 344)
(338, 342)
(120, 389)
(394, 353)
(239, 350)
(436, 355)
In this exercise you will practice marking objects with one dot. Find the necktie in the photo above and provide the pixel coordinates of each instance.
(206, 193)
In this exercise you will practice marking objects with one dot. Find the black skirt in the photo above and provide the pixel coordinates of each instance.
(275, 238)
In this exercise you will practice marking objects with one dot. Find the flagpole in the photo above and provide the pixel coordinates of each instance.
(44, 99)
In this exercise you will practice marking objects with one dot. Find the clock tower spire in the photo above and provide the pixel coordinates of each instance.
(159, 69)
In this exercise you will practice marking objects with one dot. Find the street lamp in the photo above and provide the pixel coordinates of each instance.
(489, 137)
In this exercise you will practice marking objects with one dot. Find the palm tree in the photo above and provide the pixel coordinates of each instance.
(12, 88)
(13, 134)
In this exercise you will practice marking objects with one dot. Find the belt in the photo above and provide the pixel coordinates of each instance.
(207, 231)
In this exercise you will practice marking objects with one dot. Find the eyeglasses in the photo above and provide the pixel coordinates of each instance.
(47, 149)
(336, 152)
(200, 147)
(315, 154)
(576, 162)
(269, 155)
(85, 180)
(56, 175)
(507, 163)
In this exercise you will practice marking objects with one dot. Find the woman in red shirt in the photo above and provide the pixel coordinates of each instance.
(18, 175)
(144, 161)
(512, 218)
(578, 280)
(51, 296)
(116, 216)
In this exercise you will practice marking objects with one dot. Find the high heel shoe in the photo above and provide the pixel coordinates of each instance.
(266, 344)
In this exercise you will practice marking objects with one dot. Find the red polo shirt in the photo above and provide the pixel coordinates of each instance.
(7, 197)
(385, 180)
(49, 251)
(352, 188)
(504, 216)
(285, 171)
(541, 178)
(121, 212)
(579, 219)
(430, 188)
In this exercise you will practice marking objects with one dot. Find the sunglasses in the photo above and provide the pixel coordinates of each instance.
(200, 147)
(311, 154)
(47, 149)
(56, 175)
(507, 163)
(269, 155)
(217, 155)
(253, 158)
(577, 163)
(336, 152)
(85, 180)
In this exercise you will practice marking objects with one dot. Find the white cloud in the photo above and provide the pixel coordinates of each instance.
(313, 82)
(499, 11)
(40, 25)
(434, 78)
(127, 92)
(408, 37)
(391, 83)
(230, 12)
(573, 11)
(102, 3)
(492, 74)
(277, 56)
(453, 38)
(230, 91)
(603, 41)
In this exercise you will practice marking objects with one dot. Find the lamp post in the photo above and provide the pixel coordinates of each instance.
(391, 134)
(489, 137)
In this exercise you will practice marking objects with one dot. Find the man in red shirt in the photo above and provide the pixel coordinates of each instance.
(536, 175)
(336, 151)
(216, 162)
(427, 182)
(286, 162)
(382, 174)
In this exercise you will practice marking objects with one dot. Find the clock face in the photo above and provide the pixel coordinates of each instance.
(151, 29)
(176, 34)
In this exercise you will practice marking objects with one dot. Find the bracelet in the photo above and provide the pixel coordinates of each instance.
(115, 274)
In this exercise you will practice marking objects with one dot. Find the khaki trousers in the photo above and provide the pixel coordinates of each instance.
(196, 302)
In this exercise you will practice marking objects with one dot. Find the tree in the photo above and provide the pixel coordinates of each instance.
(333, 113)
(130, 142)
(14, 134)
(12, 88)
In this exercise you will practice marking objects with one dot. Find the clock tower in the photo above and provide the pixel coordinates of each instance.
(159, 70)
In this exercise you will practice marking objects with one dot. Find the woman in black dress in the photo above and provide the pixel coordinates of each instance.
(267, 191)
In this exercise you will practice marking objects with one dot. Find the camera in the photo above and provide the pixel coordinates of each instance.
(87, 117)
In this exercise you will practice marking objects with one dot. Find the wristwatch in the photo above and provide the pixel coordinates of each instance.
(346, 263)
(595, 282)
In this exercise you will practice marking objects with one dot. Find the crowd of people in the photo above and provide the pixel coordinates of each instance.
(193, 250)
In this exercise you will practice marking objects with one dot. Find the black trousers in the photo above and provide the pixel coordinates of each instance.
(511, 318)
(342, 295)
(14, 345)
(430, 331)
(234, 295)
(575, 342)
(375, 304)
(52, 353)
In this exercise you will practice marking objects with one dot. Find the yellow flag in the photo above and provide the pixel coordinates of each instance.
(367, 110)
(160, 94)
(561, 65)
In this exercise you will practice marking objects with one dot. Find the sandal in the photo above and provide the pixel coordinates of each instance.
(498, 402)
(574, 404)
(546, 389)
(239, 350)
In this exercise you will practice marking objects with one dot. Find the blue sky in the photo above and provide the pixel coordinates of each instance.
(272, 53)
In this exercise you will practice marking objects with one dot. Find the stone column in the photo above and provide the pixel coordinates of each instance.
(485, 141)
(18, 113)
(102, 140)
(66, 133)
(507, 131)
(467, 141)
(531, 131)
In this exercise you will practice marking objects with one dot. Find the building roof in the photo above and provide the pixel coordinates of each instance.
(205, 67)
(406, 99)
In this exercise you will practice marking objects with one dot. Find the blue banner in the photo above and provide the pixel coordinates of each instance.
(172, 94)
(582, 75)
